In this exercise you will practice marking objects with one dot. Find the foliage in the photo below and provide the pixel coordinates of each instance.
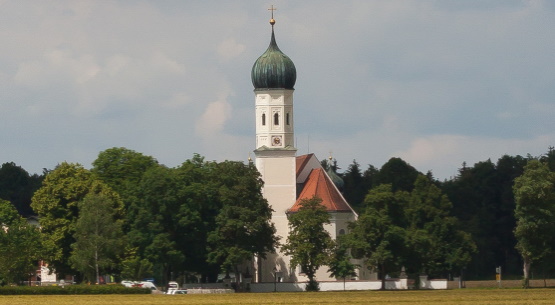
(17, 186)
(483, 201)
(535, 213)
(98, 236)
(72, 290)
(356, 186)
(340, 265)
(56, 203)
(242, 227)
(399, 174)
(437, 245)
(375, 236)
(122, 169)
(412, 229)
(308, 243)
(155, 222)
(20, 246)
(135, 268)
(200, 217)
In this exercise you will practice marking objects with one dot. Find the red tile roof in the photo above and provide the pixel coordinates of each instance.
(301, 162)
(319, 184)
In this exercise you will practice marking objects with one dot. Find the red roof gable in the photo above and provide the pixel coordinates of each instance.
(320, 185)
(301, 162)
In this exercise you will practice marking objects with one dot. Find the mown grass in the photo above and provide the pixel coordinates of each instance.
(459, 296)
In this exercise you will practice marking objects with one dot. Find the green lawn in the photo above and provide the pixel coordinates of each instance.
(459, 296)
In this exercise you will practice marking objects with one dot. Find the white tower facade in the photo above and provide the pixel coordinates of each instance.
(288, 179)
(273, 76)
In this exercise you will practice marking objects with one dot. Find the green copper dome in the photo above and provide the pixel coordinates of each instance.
(273, 69)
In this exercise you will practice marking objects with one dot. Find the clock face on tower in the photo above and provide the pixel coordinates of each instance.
(276, 140)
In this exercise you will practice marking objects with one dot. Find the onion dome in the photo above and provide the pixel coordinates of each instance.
(273, 69)
(338, 181)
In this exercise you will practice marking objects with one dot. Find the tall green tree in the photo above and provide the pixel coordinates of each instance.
(243, 227)
(155, 222)
(377, 235)
(398, 173)
(17, 186)
(98, 236)
(122, 169)
(535, 214)
(356, 187)
(20, 246)
(340, 265)
(483, 201)
(438, 246)
(308, 243)
(57, 204)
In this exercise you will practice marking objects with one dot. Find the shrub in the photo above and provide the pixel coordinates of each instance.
(71, 289)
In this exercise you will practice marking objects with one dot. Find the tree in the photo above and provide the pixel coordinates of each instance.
(156, 227)
(534, 212)
(17, 186)
(483, 202)
(340, 265)
(356, 187)
(308, 243)
(122, 169)
(437, 245)
(376, 236)
(20, 246)
(399, 174)
(56, 203)
(98, 236)
(135, 268)
(243, 227)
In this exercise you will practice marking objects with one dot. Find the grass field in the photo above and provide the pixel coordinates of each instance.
(459, 296)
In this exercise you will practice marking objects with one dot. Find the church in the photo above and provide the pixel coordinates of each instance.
(289, 178)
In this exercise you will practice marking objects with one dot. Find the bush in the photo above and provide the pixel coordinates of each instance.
(71, 289)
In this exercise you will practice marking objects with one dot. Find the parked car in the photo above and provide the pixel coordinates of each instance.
(177, 291)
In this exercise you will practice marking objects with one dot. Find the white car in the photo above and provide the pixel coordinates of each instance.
(177, 291)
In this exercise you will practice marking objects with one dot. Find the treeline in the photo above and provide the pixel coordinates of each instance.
(482, 201)
(131, 217)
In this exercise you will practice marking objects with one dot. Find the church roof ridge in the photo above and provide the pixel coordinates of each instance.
(320, 185)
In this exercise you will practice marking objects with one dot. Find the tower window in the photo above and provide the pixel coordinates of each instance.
(287, 119)
(263, 119)
(276, 118)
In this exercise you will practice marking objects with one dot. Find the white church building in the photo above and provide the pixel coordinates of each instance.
(289, 178)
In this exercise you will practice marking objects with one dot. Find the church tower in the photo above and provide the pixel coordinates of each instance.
(273, 77)
(288, 179)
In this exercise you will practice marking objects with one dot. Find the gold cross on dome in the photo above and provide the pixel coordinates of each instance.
(272, 9)
(272, 21)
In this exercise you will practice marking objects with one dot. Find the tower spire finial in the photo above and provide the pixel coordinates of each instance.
(272, 21)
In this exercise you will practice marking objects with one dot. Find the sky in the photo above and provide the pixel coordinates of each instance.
(436, 83)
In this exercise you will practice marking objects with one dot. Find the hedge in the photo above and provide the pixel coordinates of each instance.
(71, 289)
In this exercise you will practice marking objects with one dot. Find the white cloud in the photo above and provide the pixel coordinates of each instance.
(229, 49)
(213, 120)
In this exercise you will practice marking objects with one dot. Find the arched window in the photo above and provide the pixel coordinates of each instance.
(263, 119)
(287, 119)
(341, 232)
(276, 118)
